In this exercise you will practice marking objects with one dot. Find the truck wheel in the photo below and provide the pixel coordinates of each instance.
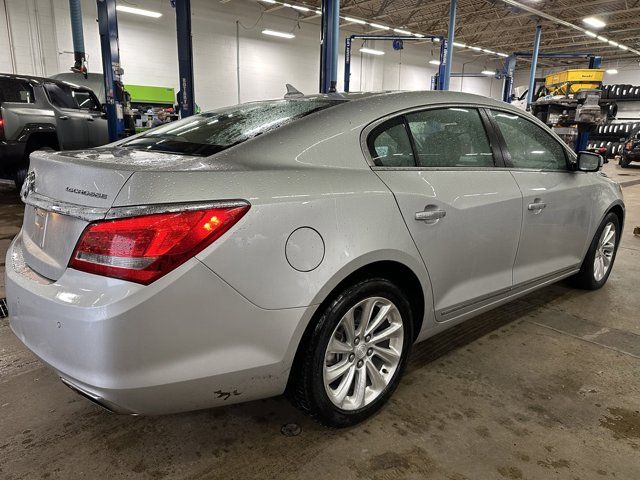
(624, 161)
(20, 175)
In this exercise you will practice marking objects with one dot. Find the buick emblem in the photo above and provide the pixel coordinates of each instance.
(28, 186)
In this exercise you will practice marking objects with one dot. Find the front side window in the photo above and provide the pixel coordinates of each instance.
(389, 145)
(15, 90)
(212, 132)
(85, 100)
(529, 145)
(450, 137)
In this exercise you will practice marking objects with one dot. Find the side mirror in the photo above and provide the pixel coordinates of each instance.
(589, 162)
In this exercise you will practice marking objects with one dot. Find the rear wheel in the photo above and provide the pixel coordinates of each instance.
(597, 265)
(352, 361)
(20, 174)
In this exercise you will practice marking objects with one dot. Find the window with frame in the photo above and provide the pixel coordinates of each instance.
(450, 137)
(14, 90)
(389, 145)
(60, 96)
(529, 145)
(85, 100)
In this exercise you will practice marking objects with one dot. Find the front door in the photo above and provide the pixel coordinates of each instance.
(98, 130)
(556, 208)
(462, 210)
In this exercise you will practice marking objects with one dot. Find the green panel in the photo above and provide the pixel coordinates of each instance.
(147, 94)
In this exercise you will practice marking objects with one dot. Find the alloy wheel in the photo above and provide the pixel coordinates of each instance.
(604, 251)
(363, 353)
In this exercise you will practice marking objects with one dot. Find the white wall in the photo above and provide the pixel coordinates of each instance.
(41, 34)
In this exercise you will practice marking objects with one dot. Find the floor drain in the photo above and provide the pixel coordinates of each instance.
(4, 313)
(291, 429)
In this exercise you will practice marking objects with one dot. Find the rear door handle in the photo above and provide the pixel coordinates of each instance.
(63, 117)
(430, 216)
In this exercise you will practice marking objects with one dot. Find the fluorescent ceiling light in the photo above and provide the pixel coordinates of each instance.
(269, 1)
(502, 54)
(138, 11)
(603, 39)
(402, 32)
(419, 35)
(298, 7)
(623, 47)
(615, 44)
(275, 33)
(434, 62)
(594, 22)
(318, 12)
(591, 34)
(487, 51)
(381, 27)
(611, 71)
(355, 20)
(488, 72)
(458, 44)
(477, 49)
(371, 51)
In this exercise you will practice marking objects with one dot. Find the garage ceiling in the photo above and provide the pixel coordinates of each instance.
(501, 27)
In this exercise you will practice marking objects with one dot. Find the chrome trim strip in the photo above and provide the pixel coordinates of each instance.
(92, 214)
(89, 214)
(136, 210)
(520, 287)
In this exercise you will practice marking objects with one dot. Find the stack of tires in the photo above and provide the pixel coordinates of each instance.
(608, 137)
(621, 92)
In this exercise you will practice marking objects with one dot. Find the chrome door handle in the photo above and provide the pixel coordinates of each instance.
(63, 117)
(536, 206)
(430, 215)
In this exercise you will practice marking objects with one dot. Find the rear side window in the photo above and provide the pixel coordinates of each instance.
(389, 145)
(529, 145)
(212, 132)
(15, 90)
(60, 96)
(450, 137)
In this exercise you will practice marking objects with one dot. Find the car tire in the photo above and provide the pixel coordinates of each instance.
(624, 161)
(595, 270)
(316, 368)
(20, 175)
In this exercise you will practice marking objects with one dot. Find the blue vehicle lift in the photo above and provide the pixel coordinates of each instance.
(186, 96)
(113, 89)
(330, 35)
(437, 82)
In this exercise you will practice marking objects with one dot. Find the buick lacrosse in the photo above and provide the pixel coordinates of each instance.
(300, 245)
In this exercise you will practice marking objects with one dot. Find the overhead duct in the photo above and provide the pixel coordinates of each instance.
(79, 65)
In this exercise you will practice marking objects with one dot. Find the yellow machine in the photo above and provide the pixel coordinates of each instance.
(572, 81)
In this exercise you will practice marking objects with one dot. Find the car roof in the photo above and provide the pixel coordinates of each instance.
(32, 79)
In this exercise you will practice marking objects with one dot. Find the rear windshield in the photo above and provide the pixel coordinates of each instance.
(212, 132)
(15, 90)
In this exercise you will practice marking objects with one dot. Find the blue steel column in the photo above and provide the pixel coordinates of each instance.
(347, 64)
(534, 65)
(450, 39)
(442, 68)
(330, 34)
(185, 57)
(108, 29)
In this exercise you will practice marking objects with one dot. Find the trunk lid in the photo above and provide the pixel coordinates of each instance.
(63, 193)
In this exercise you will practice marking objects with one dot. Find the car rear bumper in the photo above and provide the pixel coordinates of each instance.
(188, 341)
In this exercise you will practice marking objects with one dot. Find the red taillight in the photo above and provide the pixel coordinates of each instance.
(143, 249)
(1, 127)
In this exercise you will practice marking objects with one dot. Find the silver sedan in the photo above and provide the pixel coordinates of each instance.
(299, 246)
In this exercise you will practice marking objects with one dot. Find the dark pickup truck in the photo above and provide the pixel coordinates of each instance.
(41, 113)
(631, 151)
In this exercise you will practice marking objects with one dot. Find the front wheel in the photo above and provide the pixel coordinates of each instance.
(353, 359)
(598, 262)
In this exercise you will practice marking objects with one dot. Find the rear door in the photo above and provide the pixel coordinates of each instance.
(462, 209)
(71, 121)
(557, 201)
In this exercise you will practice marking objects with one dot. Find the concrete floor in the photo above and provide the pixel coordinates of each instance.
(546, 387)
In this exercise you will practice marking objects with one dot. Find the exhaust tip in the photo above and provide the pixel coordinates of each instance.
(96, 399)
